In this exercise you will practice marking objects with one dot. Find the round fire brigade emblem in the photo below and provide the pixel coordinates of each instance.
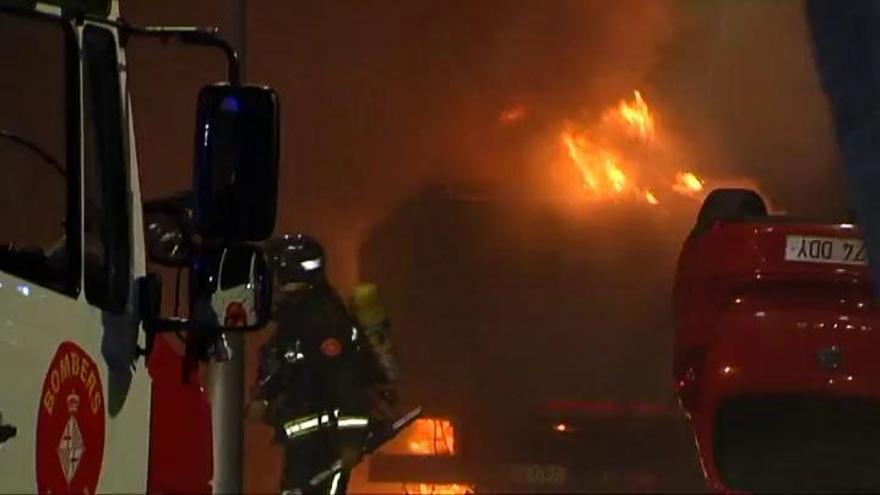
(236, 315)
(70, 424)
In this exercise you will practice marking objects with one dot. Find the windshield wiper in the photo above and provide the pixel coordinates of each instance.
(35, 148)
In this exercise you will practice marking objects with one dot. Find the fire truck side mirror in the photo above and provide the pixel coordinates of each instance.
(236, 162)
(232, 288)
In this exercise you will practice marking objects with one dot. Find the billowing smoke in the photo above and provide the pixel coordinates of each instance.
(382, 98)
(385, 100)
(738, 82)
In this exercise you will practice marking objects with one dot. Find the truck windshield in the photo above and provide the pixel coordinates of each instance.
(22, 141)
(34, 153)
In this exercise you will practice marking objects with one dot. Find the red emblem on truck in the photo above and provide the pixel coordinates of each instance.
(70, 425)
(236, 315)
(331, 347)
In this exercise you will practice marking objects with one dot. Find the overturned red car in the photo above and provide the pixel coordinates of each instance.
(777, 350)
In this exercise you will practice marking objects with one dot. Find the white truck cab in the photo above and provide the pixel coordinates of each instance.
(78, 309)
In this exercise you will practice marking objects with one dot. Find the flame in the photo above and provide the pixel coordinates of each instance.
(616, 177)
(599, 168)
(425, 437)
(601, 154)
(637, 116)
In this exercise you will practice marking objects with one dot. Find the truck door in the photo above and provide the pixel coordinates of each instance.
(70, 384)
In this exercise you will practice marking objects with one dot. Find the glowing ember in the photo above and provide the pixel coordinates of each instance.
(686, 183)
(650, 198)
(426, 436)
(429, 489)
(560, 427)
(512, 115)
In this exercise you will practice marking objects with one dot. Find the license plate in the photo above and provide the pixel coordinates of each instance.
(536, 474)
(825, 250)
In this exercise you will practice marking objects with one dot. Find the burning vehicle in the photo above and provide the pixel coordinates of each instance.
(502, 288)
(775, 349)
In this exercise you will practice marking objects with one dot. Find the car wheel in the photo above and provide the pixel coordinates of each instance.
(728, 204)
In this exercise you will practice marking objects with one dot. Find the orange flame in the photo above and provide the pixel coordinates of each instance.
(598, 167)
(687, 183)
(637, 116)
(616, 177)
(425, 437)
(600, 154)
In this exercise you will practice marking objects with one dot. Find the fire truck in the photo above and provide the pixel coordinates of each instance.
(80, 315)
(775, 349)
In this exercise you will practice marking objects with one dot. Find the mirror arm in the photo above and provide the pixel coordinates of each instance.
(188, 35)
(149, 307)
(167, 325)
(196, 36)
(198, 338)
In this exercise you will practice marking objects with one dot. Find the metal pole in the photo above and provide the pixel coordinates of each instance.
(227, 391)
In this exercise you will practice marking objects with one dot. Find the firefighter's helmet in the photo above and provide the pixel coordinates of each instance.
(295, 260)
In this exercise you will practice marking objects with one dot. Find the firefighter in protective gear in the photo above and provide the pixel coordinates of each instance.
(321, 374)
